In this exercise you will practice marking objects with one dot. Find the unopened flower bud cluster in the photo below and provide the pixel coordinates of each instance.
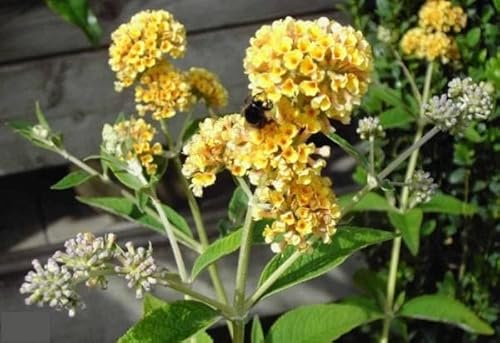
(464, 102)
(422, 188)
(87, 259)
(369, 128)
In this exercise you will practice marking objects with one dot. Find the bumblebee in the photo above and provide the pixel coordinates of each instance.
(255, 111)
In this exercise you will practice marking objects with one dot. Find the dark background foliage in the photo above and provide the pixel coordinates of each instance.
(459, 256)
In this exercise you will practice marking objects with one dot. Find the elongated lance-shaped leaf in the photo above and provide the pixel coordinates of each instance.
(443, 203)
(440, 308)
(409, 225)
(127, 209)
(348, 148)
(370, 202)
(71, 180)
(320, 323)
(323, 258)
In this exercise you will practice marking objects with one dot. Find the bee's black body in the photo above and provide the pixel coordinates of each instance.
(255, 112)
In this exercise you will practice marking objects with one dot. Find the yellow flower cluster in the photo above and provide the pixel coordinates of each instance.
(130, 140)
(163, 90)
(442, 16)
(142, 42)
(278, 162)
(430, 40)
(207, 86)
(318, 67)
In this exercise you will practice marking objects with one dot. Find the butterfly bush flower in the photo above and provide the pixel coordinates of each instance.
(51, 285)
(139, 268)
(87, 255)
(464, 102)
(439, 15)
(317, 67)
(207, 86)
(431, 39)
(422, 188)
(162, 91)
(285, 170)
(370, 127)
(130, 141)
(141, 43)
(89, 260)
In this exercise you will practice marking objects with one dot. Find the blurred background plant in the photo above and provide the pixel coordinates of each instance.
(458, 254)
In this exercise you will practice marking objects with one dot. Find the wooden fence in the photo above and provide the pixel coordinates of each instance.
(45, 59)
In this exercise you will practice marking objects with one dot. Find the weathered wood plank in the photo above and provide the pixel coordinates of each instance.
(76, 92)
(29, 29)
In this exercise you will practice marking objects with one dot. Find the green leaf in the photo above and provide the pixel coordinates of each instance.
(388, 95)
(77, 12)
(439, 308)
(25, 130)
(409, 225)
(191, 128)
(237, 205)
(171, 323)
(319, 323)
(442, 203)
(257, 335)
(151, 303)
(127, 209)
(40, 116)
(473, 36)
(348, 148)
(370, 202)
(323, 258)
(73, 179)
(395, 117)
(218, 249)
(177, 220)
(200, 337)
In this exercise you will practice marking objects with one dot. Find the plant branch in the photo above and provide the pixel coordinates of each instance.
(183, 238)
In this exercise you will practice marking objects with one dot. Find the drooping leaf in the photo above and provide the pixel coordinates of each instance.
(237, 205)
(127, 209)
(171, 323)
(395, 117)
(77, 12)
(442, 203)
(348, 148)
(323, 258)
(218, 249)
(151, 303)
(370, 202)
(440, 308)
(319, 323)
(409, 225)
(257, 334)
(71, 180)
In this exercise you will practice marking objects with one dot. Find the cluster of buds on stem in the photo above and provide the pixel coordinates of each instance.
(370, 128)
(464, 102)
(421, 187)
(88, 259)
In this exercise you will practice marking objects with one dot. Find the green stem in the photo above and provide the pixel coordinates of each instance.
(239, 331)
(173, 241)
(272, 279)
(409, 77)
(198, 220)
(226, 310)
(242, 273)
(403, 204)
(391, 167)
(183, 238)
